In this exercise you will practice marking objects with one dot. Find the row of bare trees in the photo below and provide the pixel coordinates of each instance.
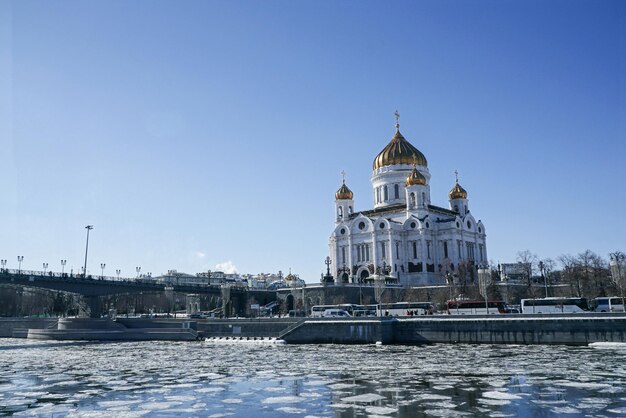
(586, 274)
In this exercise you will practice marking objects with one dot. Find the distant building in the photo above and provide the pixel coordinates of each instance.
(514, 272)
(405, 235)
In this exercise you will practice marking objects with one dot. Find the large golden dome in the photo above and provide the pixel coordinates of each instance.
(344, 193)
(457, 192)
(399, 151)
(415, 178)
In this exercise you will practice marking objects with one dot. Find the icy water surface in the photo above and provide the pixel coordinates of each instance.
(200, 379)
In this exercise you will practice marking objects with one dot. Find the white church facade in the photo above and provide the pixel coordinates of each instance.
(405, 237)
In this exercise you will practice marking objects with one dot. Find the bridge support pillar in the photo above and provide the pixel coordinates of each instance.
(95, 306)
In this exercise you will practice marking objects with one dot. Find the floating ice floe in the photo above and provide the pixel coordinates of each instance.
(496, 394)
(366, 397)
(282, 399)
(608, 345)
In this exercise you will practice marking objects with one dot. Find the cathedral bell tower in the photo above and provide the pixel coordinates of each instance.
(344, 205)
(458, 198)
(417, 193)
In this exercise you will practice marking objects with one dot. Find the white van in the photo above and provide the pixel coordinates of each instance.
(336, 313)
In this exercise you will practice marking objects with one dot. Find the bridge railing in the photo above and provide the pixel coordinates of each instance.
(139, 281)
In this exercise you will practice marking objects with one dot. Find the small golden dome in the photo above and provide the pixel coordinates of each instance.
(415, 178)
(457, 192)
(344, 193)
(399, 151)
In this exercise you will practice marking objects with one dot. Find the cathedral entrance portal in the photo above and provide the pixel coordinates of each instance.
(364, 275)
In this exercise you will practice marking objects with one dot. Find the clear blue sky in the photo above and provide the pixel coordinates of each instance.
(200, 132)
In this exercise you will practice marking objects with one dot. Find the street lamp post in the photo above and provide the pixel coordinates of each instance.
(45, 268)
(20, 258)
(542, 269)
(137, 269)
(88, 228)
(118, 271)
(102, 266)
(484, 278)
(63, 263)
(617, 266)
(4, 264)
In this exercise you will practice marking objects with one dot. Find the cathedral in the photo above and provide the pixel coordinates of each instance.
(404, 237)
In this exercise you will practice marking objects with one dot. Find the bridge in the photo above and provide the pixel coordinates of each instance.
(92, 288)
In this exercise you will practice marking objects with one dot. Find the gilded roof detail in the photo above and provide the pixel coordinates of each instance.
(415, 178)
(399, 151)
(457, 192)
(344, 193)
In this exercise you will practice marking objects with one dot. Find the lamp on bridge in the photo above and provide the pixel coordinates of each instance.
(4, 264)
(63, 263)
(45, 268)
(88, 228)
(102, 266)
(118, 271)
(20, 258)
(137, 269)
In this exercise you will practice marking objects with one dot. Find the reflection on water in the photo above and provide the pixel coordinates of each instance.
(200, 379)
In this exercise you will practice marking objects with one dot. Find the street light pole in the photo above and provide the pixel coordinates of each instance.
(63, 262)
(137, 269)
(45, 268)
(4, 264)
(118, 271)
(20, 258)
(88, 228)
(102, 266)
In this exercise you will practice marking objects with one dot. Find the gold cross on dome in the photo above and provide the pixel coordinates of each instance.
(343, 176)
(456, 175)
(397, 119)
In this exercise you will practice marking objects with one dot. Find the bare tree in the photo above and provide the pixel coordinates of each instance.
(570, 273)
(528, 260)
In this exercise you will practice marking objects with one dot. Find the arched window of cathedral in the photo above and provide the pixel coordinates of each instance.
(413, 225)
(343, 231)
(456, 208)
(386, 193)
(340, 211)
(469, 224)
(458, 225)
(361, 225)
(377, 195)
(423, 198)
(465, 208)
(349, 210)
(479, 230)
(412, 200)
(382, 225)
(427, 225)
(397, 191)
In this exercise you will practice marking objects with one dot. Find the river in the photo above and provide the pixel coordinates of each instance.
(244, 380)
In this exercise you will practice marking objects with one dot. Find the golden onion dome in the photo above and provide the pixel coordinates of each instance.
(399, 151)
(415, 178)
(457, 192)
(344, 193)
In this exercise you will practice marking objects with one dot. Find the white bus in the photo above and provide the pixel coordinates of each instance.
(477, 307)
(405, 309)
(317, 311)
(554, 305)
(608, 304)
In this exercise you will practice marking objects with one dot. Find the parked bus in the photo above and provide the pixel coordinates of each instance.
(405, 309)
(608, 304)
(317, 311)
(554, 305)
(476, 307)
(365, 310)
